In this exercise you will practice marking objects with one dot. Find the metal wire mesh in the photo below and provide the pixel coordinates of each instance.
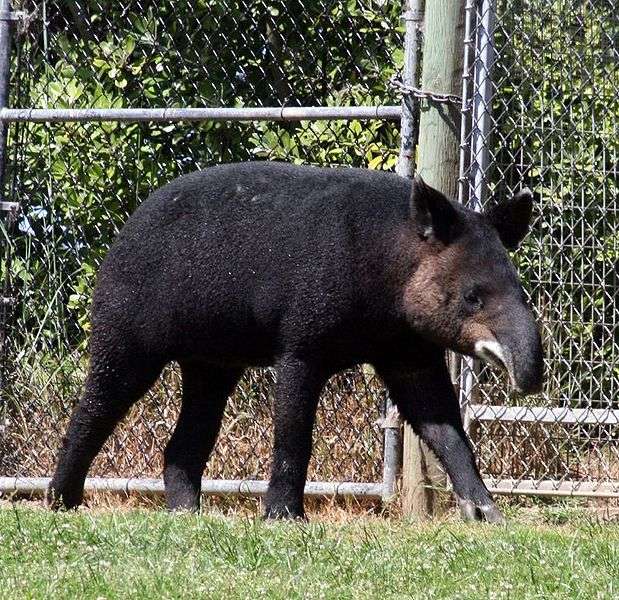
(544, 107)
(78, 182)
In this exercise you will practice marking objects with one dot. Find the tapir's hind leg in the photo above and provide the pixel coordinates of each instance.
(205, 393)
(298, 390)
(110, 390)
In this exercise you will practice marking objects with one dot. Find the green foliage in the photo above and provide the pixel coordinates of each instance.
(79, 182)
(556, 108)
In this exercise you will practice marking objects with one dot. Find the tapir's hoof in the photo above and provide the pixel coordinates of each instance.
(58, 500)
(182, 502)
(283, 512)
(480, 512)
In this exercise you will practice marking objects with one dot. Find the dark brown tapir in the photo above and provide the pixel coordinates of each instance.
(313, 271)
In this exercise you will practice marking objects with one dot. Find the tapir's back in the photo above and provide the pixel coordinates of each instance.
(240, 252)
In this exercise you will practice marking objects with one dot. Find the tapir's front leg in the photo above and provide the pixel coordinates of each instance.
(427, 401)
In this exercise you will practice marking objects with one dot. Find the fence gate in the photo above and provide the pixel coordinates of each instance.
(101, 95)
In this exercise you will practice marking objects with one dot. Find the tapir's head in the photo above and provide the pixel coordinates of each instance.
(464, 293)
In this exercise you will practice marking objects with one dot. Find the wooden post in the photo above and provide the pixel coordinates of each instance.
(439, 127)
(438, 163)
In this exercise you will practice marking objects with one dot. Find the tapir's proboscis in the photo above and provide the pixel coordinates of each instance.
(313, 271)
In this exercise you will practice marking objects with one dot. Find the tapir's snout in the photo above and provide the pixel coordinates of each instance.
(518, 350)
(529, 369)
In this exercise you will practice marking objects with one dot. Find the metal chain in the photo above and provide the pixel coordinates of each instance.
(21, 18)
(408, 90)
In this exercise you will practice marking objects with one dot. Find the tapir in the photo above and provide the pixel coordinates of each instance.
(312, 271)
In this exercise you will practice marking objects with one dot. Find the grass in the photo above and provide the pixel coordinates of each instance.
(142, 553)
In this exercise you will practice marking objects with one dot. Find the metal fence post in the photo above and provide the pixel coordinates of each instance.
(413, 16)
(481, 123)
(6, 17)
(5, 56)
(5, 63)
(480, 28)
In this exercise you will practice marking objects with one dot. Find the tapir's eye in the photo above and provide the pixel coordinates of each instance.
(472, 298)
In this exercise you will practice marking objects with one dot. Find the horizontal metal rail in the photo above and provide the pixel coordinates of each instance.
(550, 487)
(543, 414)
(254, 488)
(211, 487)
(278, 113)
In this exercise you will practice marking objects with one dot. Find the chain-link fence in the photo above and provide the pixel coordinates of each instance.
(542, 111)
(78, 182)
(544, 107)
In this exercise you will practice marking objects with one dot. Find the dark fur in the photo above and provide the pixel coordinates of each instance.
(311, 270)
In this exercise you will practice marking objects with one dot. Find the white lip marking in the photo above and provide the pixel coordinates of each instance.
(491, 351)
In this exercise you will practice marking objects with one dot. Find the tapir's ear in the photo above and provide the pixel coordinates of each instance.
(432, 212)
(511, 218)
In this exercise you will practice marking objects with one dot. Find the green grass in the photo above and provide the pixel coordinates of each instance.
(152, 554)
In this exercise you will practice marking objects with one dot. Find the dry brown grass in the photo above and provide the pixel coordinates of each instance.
(335, 510)
(546, 451)
(348, 441)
